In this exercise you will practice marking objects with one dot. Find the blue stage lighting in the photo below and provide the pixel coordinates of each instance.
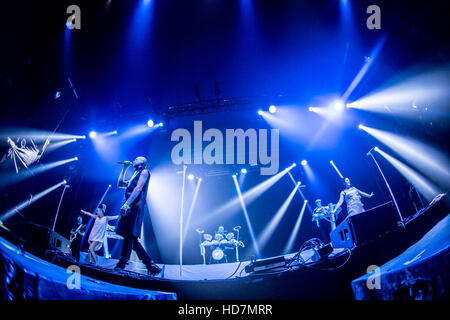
(92, 134)
(76, 158)
(191, 176)
(115, 132)
(243, 170)
(161, 124)
(304, 162)
(260, 112)
(338, 106)
(150, 123)
(272, 109)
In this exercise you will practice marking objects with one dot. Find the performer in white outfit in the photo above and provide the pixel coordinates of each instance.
(352, 197)
(98, 232)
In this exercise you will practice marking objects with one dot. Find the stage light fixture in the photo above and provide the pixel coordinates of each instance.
(338, 106)
(243, 171)
(115, 132)
(311, 109)
(150, 123)
(272, 109)
(76, 158)
(304, 162)
(190, 176)
(360, 126)
(260, 112)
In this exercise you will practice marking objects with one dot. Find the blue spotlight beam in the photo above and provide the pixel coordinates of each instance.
(268, 231)
(12, 178)
(249, 195)
(425, 187)
(247, 219)
(300, 192)
(290, 243)
(36, 135)
(191, 209)
(337, 170)
(53, 146)
(425, 158)
(6, 215)
(364, 69)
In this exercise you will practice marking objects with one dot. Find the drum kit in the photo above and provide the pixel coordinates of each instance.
(220, 247)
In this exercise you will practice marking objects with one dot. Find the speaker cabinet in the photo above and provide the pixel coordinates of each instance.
(366, 226)
(58, 242)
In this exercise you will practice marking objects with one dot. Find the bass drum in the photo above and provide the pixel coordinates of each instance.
(218, 254)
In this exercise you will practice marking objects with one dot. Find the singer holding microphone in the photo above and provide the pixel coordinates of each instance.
(132, 213)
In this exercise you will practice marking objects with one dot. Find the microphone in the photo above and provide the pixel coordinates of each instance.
(124, 162)
(370, 151)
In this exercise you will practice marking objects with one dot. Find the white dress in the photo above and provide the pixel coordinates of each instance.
(98, 231)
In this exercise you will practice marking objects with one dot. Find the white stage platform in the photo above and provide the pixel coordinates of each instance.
(195, 272)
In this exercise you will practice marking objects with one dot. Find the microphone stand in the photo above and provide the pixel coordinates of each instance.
(237, 245)
(389, 188)
(181, 224)
(59, 206)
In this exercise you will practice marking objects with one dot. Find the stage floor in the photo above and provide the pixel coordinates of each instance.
(42, 280)
(197, 272)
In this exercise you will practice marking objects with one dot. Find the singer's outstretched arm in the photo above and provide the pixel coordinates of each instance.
(145, 174)
(88, 213)
(365, 194)
(121, 183)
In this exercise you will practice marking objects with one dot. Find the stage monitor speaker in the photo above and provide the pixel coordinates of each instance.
(58, 242)
(366, 226)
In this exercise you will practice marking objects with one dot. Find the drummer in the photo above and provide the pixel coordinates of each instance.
(221, 230)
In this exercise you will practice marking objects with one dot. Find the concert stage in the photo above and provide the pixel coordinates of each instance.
(224, 150)
(330, 277)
